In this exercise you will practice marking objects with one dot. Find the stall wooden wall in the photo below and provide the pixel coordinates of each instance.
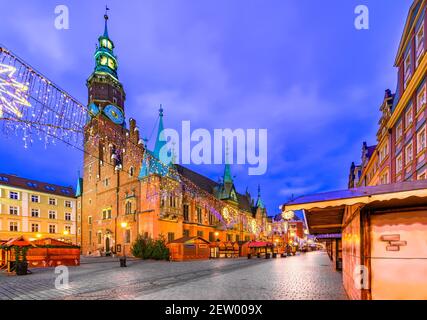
(399, 274)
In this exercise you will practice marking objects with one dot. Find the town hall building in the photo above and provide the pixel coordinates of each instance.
(126, 191)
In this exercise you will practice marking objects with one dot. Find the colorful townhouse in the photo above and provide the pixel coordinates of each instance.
(36, 210)
(377, 228)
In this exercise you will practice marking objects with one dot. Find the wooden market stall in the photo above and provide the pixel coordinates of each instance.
(51, 253)
(260, 248)
(9, 251)
(189, 248)
(40, 253)
(2, 255)
(225, 250)
(378, 231)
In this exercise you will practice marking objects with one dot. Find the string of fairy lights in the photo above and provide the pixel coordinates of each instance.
(34, 108)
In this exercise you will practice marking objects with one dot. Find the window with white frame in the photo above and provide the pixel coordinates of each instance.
(383, 152)
(13, 210)
(52, 228)
(52, 201)
(13, 195)
(106, 214)
(68, 216)
(421, 98)
(67, 204)
(399, 163)
(421, 140)
(67, 229)
(399, 131)
(13, 226)
(409, 117)
(35, 227)
(35, 213)
(52, 214)
(35, 198)
(384, 178)
(419, 42)
(409, 153)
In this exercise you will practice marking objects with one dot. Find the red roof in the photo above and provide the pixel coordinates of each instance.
(260, 244)
(49, 241)
(188, 240)
(19, 241)
(28, 184)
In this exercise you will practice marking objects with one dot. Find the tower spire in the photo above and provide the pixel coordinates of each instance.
(106, 22)
(160, 139)
(227, 170)
(106, 60)
(259, 202)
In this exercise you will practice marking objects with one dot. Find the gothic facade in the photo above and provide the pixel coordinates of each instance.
(127, 190)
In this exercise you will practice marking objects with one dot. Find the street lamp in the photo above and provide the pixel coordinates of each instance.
(124, 225)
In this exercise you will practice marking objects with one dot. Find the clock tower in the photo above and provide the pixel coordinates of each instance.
(105, 92)
(108, 197)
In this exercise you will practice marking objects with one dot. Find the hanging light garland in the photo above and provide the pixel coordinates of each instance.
(34, 108)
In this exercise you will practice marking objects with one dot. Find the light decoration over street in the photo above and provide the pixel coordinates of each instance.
(34, 108)
(37, 109)
(13, 95)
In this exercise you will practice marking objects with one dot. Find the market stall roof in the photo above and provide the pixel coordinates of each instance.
(260, 244)
(50, 241)
(324, 211)
(188, 240)
(19, 241)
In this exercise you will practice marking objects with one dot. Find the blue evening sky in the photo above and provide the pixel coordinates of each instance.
(296, 67)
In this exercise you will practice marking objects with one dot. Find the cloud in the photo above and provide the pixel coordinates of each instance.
(34, 30)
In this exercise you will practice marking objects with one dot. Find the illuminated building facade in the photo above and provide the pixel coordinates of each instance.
(127, 190)
(400, 153)
(36, 210)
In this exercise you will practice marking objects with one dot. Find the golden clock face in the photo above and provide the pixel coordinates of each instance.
(104, 60)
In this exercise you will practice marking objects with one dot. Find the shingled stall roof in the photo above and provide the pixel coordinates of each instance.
(28, 184)
(189, 240)
(324, 211)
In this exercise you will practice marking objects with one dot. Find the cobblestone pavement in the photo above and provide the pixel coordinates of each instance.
(306, 276)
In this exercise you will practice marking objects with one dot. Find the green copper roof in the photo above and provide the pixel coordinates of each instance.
(161, 140)
(155, 162)
(106, 26)
(106, 61)
(79, 188)
(259, 202)
(227, 174)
